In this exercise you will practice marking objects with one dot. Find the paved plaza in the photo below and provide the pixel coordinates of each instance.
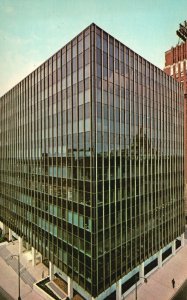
(29, 274)
(158, 287)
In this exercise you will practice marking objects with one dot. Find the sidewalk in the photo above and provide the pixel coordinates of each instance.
(9, 278)
(159, 286)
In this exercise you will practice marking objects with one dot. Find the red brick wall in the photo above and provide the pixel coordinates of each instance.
(176, 66)
(176, 54)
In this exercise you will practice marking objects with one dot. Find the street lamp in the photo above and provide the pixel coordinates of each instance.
(19, 298)
(136, 286)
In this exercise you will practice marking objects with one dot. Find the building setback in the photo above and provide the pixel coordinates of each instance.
(91, 164)
(176, 66)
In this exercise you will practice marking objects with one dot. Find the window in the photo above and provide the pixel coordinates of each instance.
(81, 112)
(87, 71)
(80, 47)
(105, 45)
(80, 62)
(105, 60)
(74, 64)
(111, 49)
(87, 110)
(99, 56)
(87, 57)
(98, 41)
(69, 55)
(74, 50)
(87, 42)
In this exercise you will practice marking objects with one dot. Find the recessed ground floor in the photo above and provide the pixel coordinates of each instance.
(126, 286)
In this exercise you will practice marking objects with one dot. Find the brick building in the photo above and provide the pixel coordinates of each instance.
(176, 66)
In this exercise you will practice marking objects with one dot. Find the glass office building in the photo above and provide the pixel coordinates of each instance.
(91, 160)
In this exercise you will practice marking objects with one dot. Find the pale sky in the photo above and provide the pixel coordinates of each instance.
(32, 30)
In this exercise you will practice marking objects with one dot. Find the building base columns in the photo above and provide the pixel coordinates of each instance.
(173, 247)
(9, 235)
(33, 257)
(141, 272)
(20, 240)
(182, 239)
(51, 271)
(160, 259)
(118, 290)
(70, 288)
(28, 246)
(4, 229)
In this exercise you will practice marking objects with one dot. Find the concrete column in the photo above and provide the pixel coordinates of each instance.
(4, 229)
(20, 240)
(182, 239)
(160, 259)
(1, 225)
(141, 271)
(118, 290)
(33, 257)
(9, 235)
(70, 288)
(27, 246)
(173, 247)
(55, 269)
(51, 271)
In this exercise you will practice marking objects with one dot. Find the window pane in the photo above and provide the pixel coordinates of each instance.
(98, 41)
(80, 47)
(87, 42)
(74, 50)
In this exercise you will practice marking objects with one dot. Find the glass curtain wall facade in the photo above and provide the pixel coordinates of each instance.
(91, 159)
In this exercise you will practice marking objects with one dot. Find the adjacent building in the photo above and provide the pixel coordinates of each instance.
(176, 66)
(91, 164)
